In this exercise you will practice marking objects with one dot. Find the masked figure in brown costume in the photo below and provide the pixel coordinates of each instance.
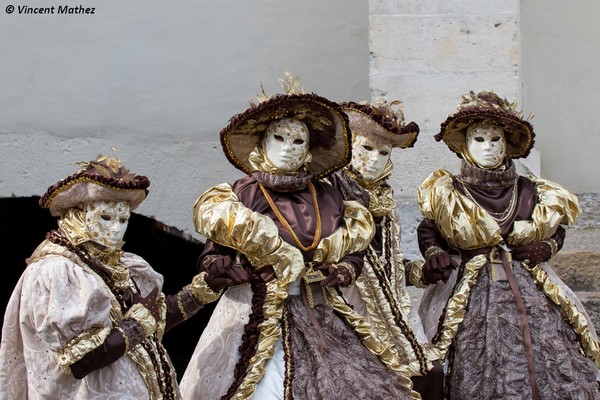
(380, 291)
(86, 319)
(288, 333)
(508, 327)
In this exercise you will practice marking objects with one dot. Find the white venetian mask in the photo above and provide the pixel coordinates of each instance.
(107, 222)
(286, 144)
(370, 156)
(486, 144)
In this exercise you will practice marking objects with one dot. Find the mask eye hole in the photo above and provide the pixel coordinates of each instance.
(367, 147)
(479, 139)
(496, 139)
(106, 217)
(278, 138)
(298, 141)
(384, 152)
(123, 220)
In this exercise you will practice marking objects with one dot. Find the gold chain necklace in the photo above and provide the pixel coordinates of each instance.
(503, 216)
(287, 226)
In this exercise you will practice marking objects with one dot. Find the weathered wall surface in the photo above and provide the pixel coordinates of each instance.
(159, 80)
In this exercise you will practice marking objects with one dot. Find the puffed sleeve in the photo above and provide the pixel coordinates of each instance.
(66, 307)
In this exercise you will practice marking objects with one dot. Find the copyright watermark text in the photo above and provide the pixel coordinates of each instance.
(10, 9)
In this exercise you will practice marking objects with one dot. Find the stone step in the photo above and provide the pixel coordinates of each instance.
(579, 269)
(591, 302)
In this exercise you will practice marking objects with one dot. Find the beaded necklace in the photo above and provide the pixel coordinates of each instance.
(499, 217)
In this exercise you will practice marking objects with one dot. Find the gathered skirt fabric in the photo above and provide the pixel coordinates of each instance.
(488, 359)
(339, 367)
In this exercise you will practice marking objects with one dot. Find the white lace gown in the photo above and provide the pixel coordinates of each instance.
(54, 301)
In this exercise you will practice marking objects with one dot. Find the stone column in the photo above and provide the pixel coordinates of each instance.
(427, 54)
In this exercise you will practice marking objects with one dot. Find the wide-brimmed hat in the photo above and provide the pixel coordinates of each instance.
(384, 120)
(329, 141)
(104, 179)
(488, 106)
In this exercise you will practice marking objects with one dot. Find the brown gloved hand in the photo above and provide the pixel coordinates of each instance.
(532, 253)
(267, 273)
(337, 275)
(149, 302)
(222, 272)
(438, 267)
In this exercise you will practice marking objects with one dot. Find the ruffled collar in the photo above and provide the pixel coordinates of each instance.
(488, 178)
(283, 183)
(381, 196)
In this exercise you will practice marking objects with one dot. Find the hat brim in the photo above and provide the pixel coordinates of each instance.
(364, 125)
(518, 132)
(324, 119)
(80, 189)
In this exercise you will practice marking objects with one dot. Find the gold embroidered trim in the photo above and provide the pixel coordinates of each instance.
(455, 307)
(76, 348)
(142, 315)
(433, 250)
(180, 306)
(201, 291)
(125, 337)
(384, 350)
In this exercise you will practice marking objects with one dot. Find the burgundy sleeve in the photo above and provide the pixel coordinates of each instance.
(428, 235)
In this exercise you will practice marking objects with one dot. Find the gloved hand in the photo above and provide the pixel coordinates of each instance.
(336, 275)
(532, 253)
(222, 272)
(438, 267)
(149, 302)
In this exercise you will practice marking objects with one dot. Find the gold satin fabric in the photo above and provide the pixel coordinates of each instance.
(466, 226)
(79, 346)
(220, 216)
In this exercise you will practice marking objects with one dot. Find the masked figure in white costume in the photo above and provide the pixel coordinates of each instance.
(509, 328)
(380, 291)
(288, 333)
(86, 319)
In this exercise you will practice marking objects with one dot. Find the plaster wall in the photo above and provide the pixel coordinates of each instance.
(159, 80)
(560, 67)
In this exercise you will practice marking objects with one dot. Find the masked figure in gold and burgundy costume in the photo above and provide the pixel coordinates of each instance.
(288, 333)
(86, 319)
(380, 291)
(509, 328)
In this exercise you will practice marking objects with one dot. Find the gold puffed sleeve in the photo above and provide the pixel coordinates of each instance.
(555, 206)
(354, 235)
(223, 218)
(463, 224)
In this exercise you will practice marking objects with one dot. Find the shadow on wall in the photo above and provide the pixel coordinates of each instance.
(25, 224)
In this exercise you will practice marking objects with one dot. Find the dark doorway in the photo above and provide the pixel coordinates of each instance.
(170, 252)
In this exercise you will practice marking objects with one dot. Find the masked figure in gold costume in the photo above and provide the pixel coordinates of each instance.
(86, 319)
(509, 328)
(288, 333)
(380, 291)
